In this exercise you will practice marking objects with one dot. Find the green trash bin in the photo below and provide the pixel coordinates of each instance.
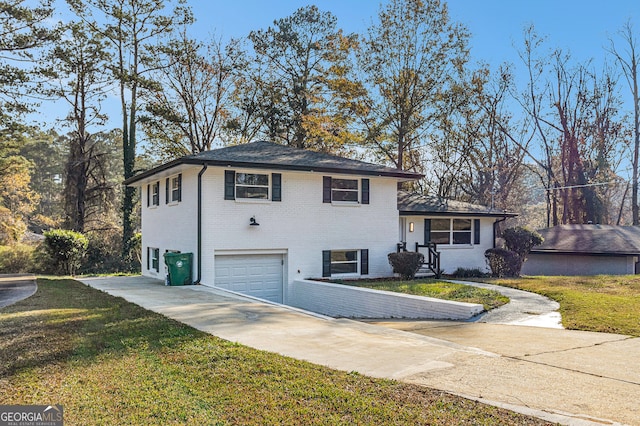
(179, 265)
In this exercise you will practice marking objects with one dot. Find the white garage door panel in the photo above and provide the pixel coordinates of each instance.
(255, 275)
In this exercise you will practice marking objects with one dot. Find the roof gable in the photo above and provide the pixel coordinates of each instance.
(427, 205)
(269, 155)
(590, 239)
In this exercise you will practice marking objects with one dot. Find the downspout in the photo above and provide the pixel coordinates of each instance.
(199, 254)
(495, 225)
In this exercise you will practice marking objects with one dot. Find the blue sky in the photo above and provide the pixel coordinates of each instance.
(581, 26)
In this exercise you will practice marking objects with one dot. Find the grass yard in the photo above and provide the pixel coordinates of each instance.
(604, 303)
(439, 289)
(109, 362)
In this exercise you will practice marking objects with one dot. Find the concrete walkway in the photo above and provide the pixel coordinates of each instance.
(524, 308)
(570, 377)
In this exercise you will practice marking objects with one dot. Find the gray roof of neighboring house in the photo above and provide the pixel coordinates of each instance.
(269, 155)
(590, 239)
(427, 205)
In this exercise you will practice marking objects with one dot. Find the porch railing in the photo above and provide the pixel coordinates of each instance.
(432, 256)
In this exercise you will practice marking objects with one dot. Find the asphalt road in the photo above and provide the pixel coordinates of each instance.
(16, 287)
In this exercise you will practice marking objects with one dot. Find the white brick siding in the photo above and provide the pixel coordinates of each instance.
(300, 225)
(454, 256)
(337, 300)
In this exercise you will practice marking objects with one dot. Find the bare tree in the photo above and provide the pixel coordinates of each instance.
(190, 111)
(628, 61)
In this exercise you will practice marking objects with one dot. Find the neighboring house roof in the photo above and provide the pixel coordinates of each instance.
(269, 155)
(426, 205)
(590, 239)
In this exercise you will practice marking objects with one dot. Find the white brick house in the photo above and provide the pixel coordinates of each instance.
(261, 215)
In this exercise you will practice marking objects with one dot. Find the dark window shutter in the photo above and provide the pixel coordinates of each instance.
(148, 258)
(365, 191)
(276, 187)
(229, 185)
(364, 262)
(166, 191)
(427, 231)
(326, 189)
(180, 187)
(476, 231)
(148, 197)
(326, 263)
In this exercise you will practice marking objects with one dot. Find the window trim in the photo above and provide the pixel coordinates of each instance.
(153, 259)
(274, 186)
(361, 262)
(241, 185)
(173, 189)
(155, 194)
(473, 232)
(362, 191)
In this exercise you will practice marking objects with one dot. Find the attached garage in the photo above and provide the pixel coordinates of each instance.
(256, 275)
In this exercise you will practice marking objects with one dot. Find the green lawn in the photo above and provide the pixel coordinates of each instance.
(109, 362)
(438, 289)
(604, 303)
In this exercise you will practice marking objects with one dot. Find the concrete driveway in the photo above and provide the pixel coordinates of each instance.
(569, 377)
(16, 287)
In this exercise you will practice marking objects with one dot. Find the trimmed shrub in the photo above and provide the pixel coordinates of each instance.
(503, 263)
(66, 248)
(521, 240)
(469, 273)
(16, 259)
(406, 263)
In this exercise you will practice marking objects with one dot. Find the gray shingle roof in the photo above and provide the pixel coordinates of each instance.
(269, 155)
(419, 204)
(590, 239)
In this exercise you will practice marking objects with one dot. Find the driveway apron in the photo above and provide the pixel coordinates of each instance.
(569, 377)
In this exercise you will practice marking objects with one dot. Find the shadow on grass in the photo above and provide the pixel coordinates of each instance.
(66, 320)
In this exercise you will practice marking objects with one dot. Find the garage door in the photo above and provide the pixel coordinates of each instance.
(255, 275)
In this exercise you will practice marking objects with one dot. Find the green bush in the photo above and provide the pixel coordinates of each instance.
(503, 262)
(406, 263)
(469, 273)
(16, 259)
(521, 240)
(66, 248)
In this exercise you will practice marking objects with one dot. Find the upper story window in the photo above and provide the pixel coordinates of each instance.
(153, 194)
(452, 231)
(345, 190)
(173, 192)
(252, 186)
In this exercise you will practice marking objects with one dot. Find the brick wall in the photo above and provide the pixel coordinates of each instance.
(337, 300)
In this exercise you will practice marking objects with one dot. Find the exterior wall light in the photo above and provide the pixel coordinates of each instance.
(252, 222)
(410, 226)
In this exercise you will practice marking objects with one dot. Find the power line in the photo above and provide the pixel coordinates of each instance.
(582, 186)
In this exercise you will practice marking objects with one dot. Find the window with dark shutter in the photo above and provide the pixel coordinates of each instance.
(276, 187)
(326, 189)
(476, 231)
(365, 191)
(326, 263)
(364, 262)
(229, 185)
